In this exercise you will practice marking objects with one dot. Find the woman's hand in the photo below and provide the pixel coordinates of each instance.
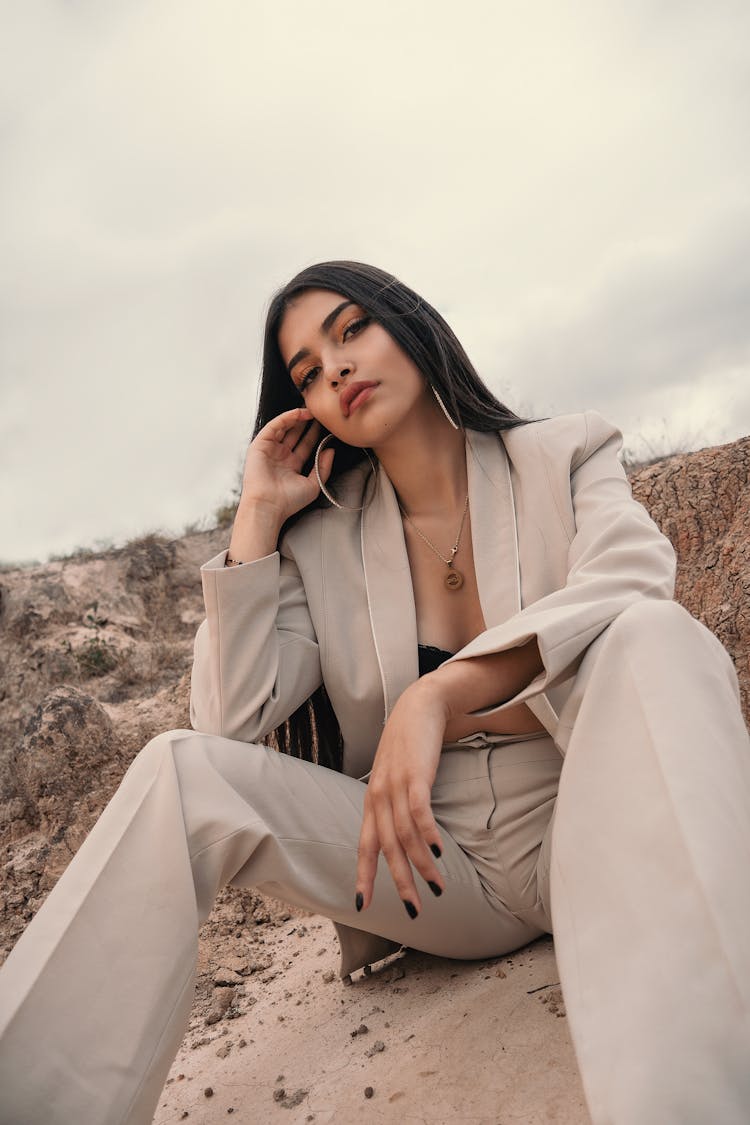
(273, 467)
(273, 484)
(397, 817)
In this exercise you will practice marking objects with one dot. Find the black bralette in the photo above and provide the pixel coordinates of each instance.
(431, 658)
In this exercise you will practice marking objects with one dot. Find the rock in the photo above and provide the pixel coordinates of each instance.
(221, 1002)
(701, 501)
(66, 744)
(225, 976)
(289, 1101)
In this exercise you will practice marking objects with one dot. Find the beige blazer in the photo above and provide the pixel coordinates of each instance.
(560, 549)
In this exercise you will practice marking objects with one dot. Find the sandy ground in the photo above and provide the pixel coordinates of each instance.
(419, 1040)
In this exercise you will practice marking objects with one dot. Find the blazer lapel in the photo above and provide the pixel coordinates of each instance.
(386, 564)
(494, 534)
(495, 539)
(390, 594)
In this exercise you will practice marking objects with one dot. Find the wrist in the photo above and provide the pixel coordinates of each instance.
(431, 693)
(255, 532)
(257, 511)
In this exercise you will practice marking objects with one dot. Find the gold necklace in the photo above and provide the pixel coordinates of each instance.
(454, 579)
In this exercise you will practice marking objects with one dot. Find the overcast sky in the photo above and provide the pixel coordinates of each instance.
(569, 184)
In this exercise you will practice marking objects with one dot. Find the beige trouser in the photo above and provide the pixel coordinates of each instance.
(649, 861)
(96, 994)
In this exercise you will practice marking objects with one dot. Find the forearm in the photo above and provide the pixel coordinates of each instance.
(463, 686)
(256, 655)
(255, 533)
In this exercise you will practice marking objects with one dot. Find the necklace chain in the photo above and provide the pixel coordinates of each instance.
(454, 580)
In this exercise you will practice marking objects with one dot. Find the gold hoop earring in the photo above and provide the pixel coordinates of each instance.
(443, 407)
(324, 490)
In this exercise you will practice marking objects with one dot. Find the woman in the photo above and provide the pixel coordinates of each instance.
(442, 603)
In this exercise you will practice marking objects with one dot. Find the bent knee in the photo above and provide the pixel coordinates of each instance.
(658, 625)
(166, 741)
(162, 746)
(652, 620)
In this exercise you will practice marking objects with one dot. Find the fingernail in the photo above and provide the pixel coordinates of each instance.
(435, 851)
(411, 909)
(358, 900)
(436, 890)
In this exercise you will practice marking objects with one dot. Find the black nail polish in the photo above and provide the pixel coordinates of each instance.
(436, 890)
(411, 909)
(358, 900)
(435, 851)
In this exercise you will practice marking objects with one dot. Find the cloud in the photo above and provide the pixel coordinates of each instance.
(660, 322)
(167, 165)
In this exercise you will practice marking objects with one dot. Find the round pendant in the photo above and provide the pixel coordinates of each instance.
(454, 579)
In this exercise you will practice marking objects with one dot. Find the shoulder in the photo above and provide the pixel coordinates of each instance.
(568, 439)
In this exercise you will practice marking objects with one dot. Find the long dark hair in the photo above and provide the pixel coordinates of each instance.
(313, 732)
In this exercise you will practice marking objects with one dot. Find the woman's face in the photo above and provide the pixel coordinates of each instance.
(353, 376)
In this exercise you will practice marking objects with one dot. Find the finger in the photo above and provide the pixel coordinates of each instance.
(279, 426)
(308, 440)
(294, 432)
(420, 806)
(417, 852)
(367, 860)
(396, 859)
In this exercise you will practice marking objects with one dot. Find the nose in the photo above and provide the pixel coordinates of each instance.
(338, 373)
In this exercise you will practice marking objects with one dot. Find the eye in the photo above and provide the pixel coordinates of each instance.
(355, 326)
(307, 379)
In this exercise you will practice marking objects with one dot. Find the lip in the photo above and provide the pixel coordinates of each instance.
(354, 395)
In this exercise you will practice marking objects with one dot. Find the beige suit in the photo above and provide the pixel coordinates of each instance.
(650, 847)
(560, 549)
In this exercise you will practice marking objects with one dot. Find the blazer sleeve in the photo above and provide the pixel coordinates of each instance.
(617, 554)
(256, 656)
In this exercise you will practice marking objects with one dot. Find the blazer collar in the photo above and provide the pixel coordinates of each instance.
(386, 565)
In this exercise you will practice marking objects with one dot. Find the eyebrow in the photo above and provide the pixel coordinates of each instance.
(325, 325)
